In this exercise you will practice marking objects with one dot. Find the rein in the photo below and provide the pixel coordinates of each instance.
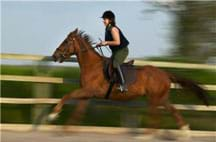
(86, 49)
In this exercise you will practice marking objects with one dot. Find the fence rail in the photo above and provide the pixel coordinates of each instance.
(39, 79)
(137, 62)
(59, 80)
(113, 103)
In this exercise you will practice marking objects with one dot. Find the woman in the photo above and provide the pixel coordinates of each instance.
(117, 42)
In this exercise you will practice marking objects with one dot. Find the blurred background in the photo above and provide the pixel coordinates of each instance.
(169, 30)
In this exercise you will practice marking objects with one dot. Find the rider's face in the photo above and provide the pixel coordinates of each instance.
(106, 21)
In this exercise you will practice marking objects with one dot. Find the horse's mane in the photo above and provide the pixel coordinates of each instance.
(86, 37)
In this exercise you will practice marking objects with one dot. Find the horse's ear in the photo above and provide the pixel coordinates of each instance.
(76, 31)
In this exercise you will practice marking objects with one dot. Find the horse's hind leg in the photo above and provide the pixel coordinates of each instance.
(184, 127)
(179, 119)
(154, 116)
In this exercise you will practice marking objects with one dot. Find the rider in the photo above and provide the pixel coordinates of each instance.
(117, 42)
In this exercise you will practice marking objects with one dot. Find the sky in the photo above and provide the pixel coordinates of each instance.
(38, 27)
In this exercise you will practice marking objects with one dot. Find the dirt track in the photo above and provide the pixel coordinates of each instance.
(37, 136)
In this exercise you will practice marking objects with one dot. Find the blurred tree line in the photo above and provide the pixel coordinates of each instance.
(194, 28)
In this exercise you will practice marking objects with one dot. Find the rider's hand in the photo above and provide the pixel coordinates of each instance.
(102, 43)
(98, 44)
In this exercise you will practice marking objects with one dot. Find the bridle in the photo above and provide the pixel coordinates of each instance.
(63, 53)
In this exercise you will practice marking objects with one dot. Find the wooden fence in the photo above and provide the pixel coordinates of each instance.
(58, 80)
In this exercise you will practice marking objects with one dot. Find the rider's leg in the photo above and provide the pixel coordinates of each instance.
(123, 86)
(118, 58)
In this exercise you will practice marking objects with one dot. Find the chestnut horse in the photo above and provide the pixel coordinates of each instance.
(151, 81)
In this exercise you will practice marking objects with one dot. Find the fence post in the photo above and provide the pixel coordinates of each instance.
(41, 90)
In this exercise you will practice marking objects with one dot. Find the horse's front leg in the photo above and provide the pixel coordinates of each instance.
(77, 94)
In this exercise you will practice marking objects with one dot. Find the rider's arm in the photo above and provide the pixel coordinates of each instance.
(116, 38)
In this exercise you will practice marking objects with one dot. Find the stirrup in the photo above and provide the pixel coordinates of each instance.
(122, 88)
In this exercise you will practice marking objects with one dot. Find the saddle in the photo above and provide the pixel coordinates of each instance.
(128, 70)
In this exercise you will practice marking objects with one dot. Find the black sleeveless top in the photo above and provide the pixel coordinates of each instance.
(108, 37)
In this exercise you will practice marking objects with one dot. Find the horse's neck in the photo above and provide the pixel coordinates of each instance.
(88, 59)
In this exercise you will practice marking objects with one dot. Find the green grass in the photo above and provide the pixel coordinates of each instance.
(12, 113)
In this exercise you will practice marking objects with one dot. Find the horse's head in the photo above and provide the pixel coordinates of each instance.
(67, 47)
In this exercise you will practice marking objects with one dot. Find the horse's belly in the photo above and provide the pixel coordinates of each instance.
(123, 96)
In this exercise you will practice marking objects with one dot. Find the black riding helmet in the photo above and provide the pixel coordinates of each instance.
(108, 14)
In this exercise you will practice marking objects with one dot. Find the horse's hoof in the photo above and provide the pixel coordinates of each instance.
(185, 132)
(167, 135)
(185, 127)
(52, 116)
(147, 137)
(181, 135)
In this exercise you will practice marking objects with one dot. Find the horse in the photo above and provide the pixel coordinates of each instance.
(150, 81)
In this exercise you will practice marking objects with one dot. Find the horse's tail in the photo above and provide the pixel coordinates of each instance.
(190, 85)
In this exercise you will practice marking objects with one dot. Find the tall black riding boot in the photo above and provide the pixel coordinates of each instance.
(122, 86)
